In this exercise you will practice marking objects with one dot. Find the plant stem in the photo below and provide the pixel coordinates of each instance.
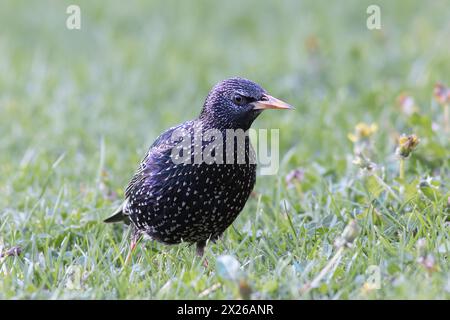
(388, 189)
(446, 120)
(402, 169)
(333, 261)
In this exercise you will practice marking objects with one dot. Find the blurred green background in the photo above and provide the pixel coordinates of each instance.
(79, 108)
(135, 69)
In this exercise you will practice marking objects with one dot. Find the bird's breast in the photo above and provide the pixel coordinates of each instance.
(192, 201)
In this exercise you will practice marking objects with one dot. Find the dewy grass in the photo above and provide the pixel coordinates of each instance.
(79, 108)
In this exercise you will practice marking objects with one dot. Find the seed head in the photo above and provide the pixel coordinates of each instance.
(406, 145)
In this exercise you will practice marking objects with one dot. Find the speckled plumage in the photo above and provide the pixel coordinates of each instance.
(195, 202)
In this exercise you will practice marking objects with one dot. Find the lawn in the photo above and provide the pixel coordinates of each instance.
(79, 108)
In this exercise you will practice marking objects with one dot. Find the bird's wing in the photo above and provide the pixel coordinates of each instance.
(119, 215)
(160, 148)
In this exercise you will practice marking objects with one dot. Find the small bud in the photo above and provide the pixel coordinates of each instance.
(245, 290)
(429, 263)
(406, 103)
(349, 234)
(351, 231)
(406, 145)
(296, 175)
(421, 246)
(425, 258)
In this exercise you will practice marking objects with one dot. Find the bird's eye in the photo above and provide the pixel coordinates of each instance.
(238, 99)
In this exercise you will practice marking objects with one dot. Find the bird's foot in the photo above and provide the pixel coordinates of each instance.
(201, 251)
(134, 240)
(130, 252)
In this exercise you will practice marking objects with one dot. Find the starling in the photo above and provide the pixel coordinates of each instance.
(173, 201)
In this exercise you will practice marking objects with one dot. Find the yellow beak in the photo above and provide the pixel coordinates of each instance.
(269, 102)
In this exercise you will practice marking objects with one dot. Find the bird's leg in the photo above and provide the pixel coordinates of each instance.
(201, 251)
(135, 236)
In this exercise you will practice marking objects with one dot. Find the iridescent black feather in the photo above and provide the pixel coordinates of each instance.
(194, 203)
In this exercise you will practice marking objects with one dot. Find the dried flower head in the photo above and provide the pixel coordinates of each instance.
(349, 235)
(406, 145)
(363, 131)
(11, 252)
(364, 163)
(441, 93)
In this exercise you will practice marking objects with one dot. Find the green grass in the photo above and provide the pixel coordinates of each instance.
(78, 110)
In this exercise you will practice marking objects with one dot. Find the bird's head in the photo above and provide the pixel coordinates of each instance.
(236, 102)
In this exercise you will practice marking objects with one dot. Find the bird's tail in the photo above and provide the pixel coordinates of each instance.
(119, 215)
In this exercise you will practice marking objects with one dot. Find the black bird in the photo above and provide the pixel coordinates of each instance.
(195, 201)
